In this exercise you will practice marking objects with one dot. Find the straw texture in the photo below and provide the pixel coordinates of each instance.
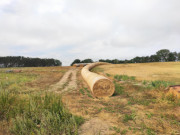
(99, 85)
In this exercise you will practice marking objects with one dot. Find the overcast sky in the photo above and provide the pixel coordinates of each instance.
(70, 29)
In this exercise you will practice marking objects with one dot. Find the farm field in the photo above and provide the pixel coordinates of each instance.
(167, 71)
(30, 100)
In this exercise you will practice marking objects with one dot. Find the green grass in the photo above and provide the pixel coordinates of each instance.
(37, 114)
(128, 117)
(149, 115)
(119, 90)
(12, 81)
(116, 129)
(149, 132)
(97, 69)
(82, 91)
(140, 101)
(124, 78)
(160, 84)
(7, 101)
(88, 92)
(157, 84)
(108, 74)
(79, 120)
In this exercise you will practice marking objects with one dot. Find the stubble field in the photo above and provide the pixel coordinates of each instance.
(140, 104)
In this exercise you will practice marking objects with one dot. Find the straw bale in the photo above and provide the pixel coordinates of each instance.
(99, 85)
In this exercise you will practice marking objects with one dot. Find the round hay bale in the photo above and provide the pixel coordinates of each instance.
(74, 65)
(99, 85)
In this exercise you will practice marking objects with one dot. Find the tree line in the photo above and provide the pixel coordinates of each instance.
(20, 61)
(163, 55)
(83, 61)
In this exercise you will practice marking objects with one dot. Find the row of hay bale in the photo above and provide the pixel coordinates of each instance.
(80, 64)
(99, 85)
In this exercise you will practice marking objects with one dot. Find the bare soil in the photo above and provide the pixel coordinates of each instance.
(67, 83)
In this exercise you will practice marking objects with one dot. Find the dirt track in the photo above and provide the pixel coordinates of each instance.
(68, 87)
(67, 83)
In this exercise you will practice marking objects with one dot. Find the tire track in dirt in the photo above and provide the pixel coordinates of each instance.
(67, 83)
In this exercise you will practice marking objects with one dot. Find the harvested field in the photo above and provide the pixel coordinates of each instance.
(138, 106)
(167, 71)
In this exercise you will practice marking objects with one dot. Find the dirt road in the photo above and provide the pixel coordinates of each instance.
(69, 87)
(67, 83)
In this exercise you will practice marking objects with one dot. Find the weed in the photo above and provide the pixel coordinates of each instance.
(88, 92)
(79, 120)
(149, 115)
(144, 82)
(99, 110)
(129, 117)
(124, 132)
(109, 109)
(160, 84)
(108, 74)
(119, 90)
(116, 129)
(89, 95)
(150, 132)
(81, 91)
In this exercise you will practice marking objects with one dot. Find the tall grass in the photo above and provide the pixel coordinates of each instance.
(7, 100)
(38, 113)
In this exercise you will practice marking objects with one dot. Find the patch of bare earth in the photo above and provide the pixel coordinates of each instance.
(95, 126)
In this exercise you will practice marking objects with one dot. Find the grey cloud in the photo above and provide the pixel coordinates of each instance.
(68, 29)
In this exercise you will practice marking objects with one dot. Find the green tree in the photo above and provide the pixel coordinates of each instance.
(163, 54)
(87, 61)
(172, 56)
(154, 58)
(76, 61)
(178, 55)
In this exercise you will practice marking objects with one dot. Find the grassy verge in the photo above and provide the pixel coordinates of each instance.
(38, 113)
